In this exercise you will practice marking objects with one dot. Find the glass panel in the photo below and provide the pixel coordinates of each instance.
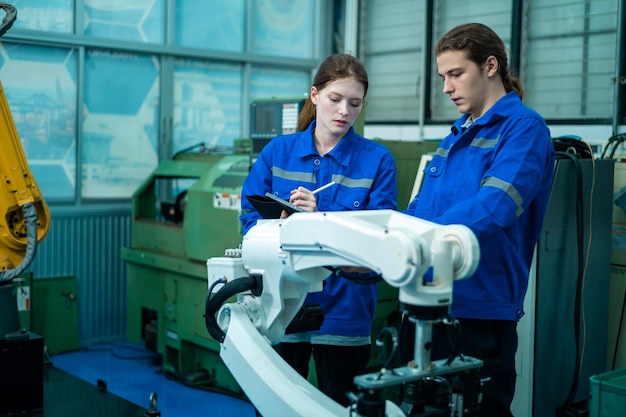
(283, 28)
(569, 60)
(267, 82)
(494, 13)
(46, 15)
(137, 20)
(207, 104)
(217, 24)
(393, 53)
(394, 86)
(121, 127)
(40, 85)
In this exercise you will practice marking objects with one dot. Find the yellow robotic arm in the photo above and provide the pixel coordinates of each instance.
(24, 215)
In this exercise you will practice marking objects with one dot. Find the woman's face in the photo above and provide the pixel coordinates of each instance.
(337, 105)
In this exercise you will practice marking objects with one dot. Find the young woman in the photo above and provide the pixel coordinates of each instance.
(492, 173)
(325, 149)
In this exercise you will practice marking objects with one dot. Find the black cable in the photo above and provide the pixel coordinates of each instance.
(215, 284)
(213, 304)
(9, 18)
(380, 343)
(613, 143)
(574, 146)
(618, 140)
(453, 329)
(30, 218)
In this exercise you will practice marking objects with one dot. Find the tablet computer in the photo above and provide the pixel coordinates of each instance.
(270, 206)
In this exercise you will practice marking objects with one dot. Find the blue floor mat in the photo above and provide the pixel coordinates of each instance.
(130, 372)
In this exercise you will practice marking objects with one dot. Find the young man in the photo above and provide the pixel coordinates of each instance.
(492, 173)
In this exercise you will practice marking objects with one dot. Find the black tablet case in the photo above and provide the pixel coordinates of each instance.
(270, 206)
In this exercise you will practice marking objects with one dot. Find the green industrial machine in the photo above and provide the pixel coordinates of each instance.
(408, 155)
(186, 212)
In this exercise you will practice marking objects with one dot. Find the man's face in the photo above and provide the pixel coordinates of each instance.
(464, 81)
(337, 105)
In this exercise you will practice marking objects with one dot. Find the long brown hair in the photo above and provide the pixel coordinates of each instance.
(480, 42)
(334, 67)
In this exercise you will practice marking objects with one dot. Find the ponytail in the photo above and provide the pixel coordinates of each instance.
(511, 82)
(306, 116)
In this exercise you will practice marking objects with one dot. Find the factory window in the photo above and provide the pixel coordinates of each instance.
(217, 25)
(270, 82)
(120, 124)
(393, 53)
(40, 86)
(136, 21)
(569, 58)
(207, 104)
(283, 28)
(56, 16)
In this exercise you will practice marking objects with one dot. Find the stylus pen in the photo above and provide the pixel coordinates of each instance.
(323, 187)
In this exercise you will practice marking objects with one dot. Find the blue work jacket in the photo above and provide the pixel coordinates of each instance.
(495, 177)
(365, 174)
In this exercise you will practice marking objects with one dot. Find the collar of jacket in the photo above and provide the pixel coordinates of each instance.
(507, 105)
(342, 152)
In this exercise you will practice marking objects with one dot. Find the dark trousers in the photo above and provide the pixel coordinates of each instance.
(492, 341)
(336, 366)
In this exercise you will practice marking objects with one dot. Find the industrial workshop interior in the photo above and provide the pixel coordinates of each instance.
(129, 128)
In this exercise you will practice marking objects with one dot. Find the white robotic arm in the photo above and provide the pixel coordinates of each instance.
(290, 257)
